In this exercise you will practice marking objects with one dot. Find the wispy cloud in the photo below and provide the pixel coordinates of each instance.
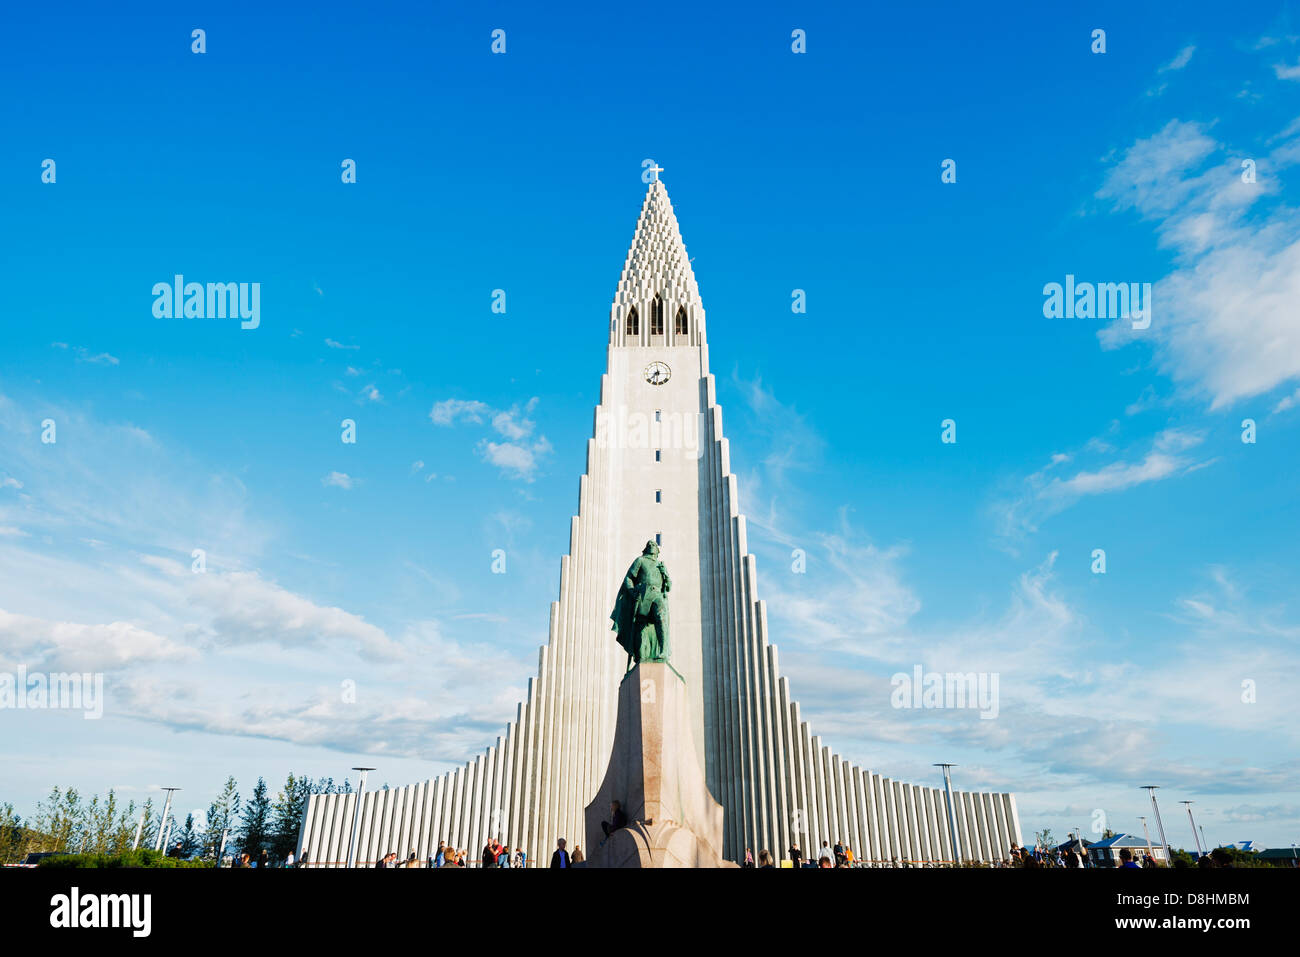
(520, 455)
(1284, 72)
(1052, 489)
(338, 480)
(1223, 322)
(1183, 58)
(85, 355)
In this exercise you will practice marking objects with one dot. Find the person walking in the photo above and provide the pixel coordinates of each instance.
(577, 856)
(825, 858)
(796, 855)
(561, 857)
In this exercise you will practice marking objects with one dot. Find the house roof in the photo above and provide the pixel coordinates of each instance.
(1125, 840)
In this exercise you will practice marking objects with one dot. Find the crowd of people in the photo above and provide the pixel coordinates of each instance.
(494, 854)
(497, 854)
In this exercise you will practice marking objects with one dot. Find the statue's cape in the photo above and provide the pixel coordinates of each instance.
(622, 616)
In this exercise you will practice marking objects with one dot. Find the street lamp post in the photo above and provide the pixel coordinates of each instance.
(356, 816)
(163, 823)
(1151, 789)
(952, 819)
(139, 829)
(1196, 837)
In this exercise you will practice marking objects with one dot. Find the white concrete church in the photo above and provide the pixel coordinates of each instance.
(658, 467)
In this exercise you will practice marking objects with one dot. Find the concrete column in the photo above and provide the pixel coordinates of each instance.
(782, 755)
(871, 828)
(1013, 818)
(922, 824)
(1004, 835)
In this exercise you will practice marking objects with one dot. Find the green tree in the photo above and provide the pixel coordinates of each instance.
(222, 815)
(287, 816)
(189, 838)
(123, 830)
(255, 823)
(60, 820)
(11, 835)
(149, 832)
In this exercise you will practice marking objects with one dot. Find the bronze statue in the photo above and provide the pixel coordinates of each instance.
(640, 614)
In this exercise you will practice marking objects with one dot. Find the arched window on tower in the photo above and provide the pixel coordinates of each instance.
(633, 323)
(679, 324)
(657, 316)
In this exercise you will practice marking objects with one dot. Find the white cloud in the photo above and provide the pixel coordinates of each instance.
(1223, 323)
(1046, 492)
(72, 646)
(1181, 60)
(454, 698)
(1288, 402)
(450, 411)
(518, 457)
(338, 480)
(246, 609)
(515, 459)
(84, 355)
(116, 481)
(1285, 72)
(338, 345)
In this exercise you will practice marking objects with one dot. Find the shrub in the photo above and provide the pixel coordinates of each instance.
(140, 858)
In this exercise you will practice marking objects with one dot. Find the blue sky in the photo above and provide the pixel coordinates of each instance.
(819, 171)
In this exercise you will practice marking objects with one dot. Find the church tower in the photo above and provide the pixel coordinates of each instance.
(658, 468)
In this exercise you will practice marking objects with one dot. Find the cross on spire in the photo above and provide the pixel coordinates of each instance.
(656, 169)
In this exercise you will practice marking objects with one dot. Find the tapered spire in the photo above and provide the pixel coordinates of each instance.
(657, 265)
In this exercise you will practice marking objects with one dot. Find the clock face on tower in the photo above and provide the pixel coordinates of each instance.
(657, 373)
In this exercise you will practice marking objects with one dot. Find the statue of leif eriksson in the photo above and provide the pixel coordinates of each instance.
(640, 613)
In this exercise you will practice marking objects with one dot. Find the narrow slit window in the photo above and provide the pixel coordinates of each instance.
(659, 538)
(658, 415)
(659, 496)
(658, 454)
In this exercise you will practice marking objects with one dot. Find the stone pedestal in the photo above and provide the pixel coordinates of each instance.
(655, 774)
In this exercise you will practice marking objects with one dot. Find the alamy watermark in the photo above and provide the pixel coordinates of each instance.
(1102, 300)
(934, 689)
(179, 299)
(620, 428)
(37, 691)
